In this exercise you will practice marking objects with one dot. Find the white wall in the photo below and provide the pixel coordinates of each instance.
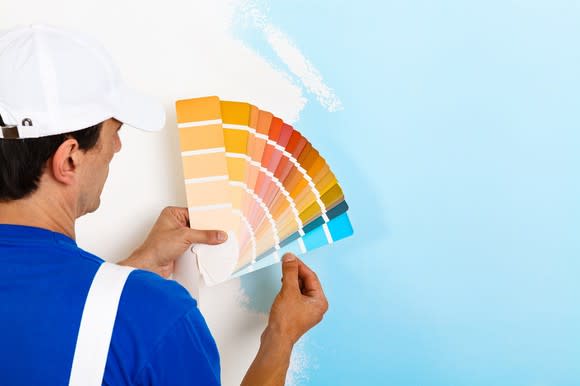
(172, 50)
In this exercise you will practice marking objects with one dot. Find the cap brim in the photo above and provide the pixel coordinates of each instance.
(138, 110)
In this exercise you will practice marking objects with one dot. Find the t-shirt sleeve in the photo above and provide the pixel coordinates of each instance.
(185, 355)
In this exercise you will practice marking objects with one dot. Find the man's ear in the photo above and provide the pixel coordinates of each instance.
(65, 162)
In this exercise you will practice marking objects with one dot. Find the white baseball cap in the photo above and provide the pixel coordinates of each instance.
(55, 81)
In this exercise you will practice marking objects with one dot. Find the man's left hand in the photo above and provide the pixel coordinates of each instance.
(169, 238)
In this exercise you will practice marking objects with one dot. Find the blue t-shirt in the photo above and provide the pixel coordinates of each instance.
(159, 338)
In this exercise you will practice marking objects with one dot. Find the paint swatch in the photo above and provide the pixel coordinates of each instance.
(248, 172)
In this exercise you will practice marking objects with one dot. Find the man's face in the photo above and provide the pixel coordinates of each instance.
(96, 166)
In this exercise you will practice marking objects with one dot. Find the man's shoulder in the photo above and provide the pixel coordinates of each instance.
(148, 298)
(159, 327)
(148, 292)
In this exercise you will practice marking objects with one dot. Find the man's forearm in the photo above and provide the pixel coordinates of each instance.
(272, 361)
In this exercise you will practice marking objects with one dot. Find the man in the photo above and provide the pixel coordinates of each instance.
(62, 104)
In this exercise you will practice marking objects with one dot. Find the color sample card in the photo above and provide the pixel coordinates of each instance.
(248, 172)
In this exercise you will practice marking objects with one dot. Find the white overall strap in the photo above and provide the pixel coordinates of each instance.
(97, 322)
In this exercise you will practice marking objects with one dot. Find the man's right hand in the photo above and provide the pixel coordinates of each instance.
(299, 306)
(301, 303)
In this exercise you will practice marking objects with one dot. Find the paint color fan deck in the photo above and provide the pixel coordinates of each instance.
(251, 174)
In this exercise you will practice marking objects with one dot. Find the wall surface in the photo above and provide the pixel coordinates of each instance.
(453, 127)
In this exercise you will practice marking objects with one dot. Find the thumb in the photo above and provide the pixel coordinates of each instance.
(290, 273)
(211, 237)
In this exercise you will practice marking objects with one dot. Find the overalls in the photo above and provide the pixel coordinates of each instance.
(97, 322)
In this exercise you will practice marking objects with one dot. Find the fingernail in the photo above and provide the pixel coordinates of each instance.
(289, 257)
(222, 236)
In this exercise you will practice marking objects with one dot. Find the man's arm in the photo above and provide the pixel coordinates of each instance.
(299, 306)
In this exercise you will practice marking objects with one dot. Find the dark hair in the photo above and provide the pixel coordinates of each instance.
(23, 161)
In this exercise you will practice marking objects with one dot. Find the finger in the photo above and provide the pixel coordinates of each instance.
(300, 283)
(178, 213)
(196, 236)
(310, 282)
(290, 273)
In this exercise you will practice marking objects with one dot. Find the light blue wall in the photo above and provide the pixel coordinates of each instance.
(459, 151)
